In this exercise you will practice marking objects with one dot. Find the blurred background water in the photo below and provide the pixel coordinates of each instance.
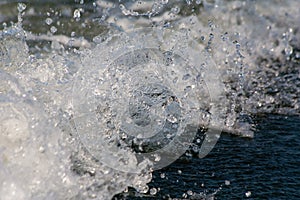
(265, 89)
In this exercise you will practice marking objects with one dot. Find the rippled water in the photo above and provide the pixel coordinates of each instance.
(99, 96)
(267, 167)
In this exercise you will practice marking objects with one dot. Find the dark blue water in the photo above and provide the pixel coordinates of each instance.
(268, 166)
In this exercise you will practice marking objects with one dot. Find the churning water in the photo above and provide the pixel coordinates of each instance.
(128, 99)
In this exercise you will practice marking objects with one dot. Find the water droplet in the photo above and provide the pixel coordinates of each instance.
(248, 194)
(156, 157)
(230, 120)
(53, 29)
(195, 148)
(76, 14)
(153, 191)
(175, 10)
(189, 2)
(172, 119)
(126, 12)
(49, 21)
(164, 1)
(21, 7)
(198, 2)
(144, 189)
(227, 182)
(288, 50)
(41, 149)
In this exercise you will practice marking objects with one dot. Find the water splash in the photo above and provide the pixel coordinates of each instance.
(148, 89)
(25, 152)
(35, 122)
(141, 93)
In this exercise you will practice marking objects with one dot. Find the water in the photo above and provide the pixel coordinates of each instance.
(106, 95)
(267, 166)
